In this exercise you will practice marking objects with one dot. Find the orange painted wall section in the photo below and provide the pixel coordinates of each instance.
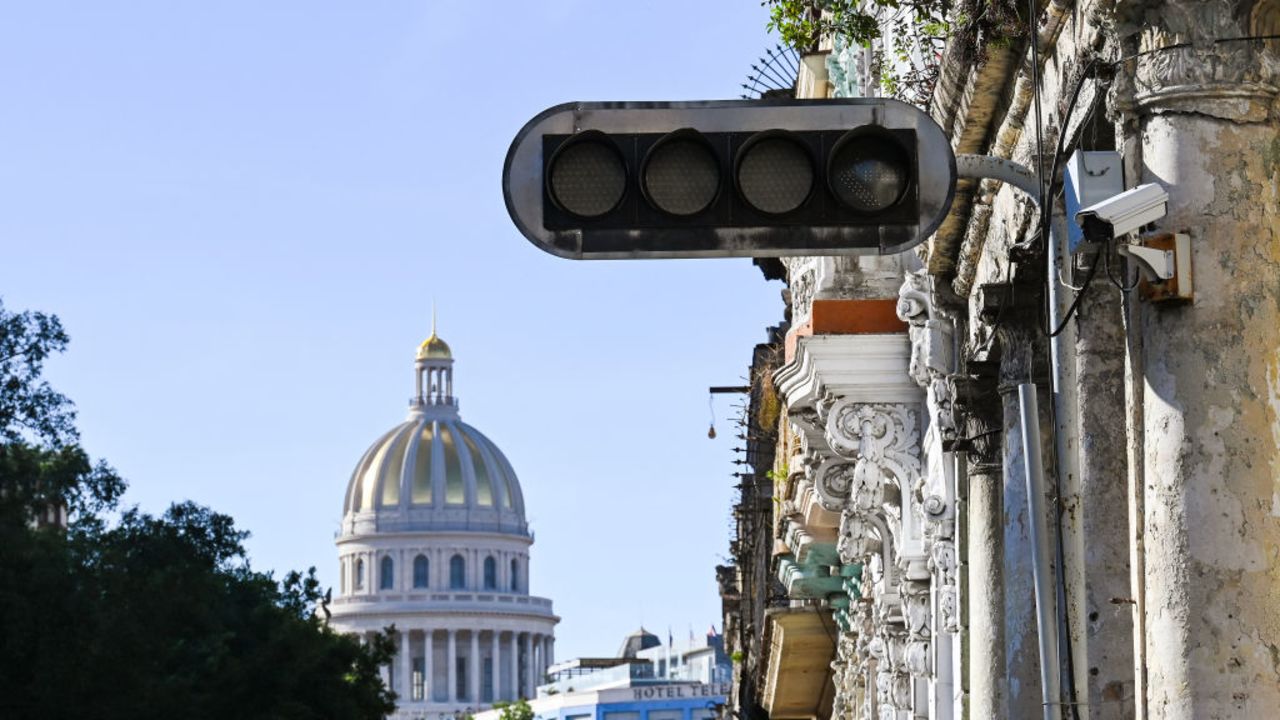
(847, 317)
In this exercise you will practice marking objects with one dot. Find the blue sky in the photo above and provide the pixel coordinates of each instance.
(242, 212)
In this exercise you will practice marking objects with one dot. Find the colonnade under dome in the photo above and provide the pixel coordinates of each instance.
(456, 666)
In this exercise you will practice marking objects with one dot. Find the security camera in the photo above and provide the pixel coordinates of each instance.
(1124, 213)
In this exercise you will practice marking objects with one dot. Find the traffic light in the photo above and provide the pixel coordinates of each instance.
(729, 178)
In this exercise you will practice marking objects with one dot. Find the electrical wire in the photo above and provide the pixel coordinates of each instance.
(1046, 215)
(1046, 209)
(1123, 288)
(1075, 304)
(1183, 45)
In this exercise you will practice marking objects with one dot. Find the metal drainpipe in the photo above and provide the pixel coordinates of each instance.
(1046, 617)
(1019, 176)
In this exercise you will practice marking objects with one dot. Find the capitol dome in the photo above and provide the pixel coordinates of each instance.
(435, 471)
(434, 541)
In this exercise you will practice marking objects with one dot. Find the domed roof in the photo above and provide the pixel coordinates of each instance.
(442, 463)
(433, 471)
(639, 640)
(434, 347)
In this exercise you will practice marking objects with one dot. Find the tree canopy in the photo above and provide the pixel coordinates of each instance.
(144, 616)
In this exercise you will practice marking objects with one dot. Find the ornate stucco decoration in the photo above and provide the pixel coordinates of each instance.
(1185, 67)
(943, 565)
(861, 417)
(930, 367)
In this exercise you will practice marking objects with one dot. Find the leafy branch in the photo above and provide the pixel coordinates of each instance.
(905, 37)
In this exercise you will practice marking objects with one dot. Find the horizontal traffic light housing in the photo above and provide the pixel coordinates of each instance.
(724, 179)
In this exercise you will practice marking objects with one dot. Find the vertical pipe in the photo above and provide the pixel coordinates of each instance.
(1046, 616)
(1065, 404)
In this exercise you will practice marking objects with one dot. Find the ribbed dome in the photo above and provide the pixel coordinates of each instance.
(433, 471)
(437, 464)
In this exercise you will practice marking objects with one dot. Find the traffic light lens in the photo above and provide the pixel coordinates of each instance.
(775, 174)
(681, 176)
(587, 177)
(869, 173)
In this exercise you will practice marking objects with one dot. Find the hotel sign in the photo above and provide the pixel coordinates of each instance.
(678, 692)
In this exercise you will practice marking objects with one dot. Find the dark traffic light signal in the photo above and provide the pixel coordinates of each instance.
(722, 179)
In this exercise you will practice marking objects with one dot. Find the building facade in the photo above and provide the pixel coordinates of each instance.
(647, 680)
(434, 542)
(902, 520)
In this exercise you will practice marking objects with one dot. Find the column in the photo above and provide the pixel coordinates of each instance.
(528, 664)
(473, 686)
(535, 657)
(1096, 513)
(515, 666)
(1206, 374)
(428, 665)
(495, 667)
(451, 691)
(983, 593)
(547, 651)
(405, 655)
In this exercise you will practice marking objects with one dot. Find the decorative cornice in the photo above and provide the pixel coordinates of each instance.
(1193, 58)
(860, 367)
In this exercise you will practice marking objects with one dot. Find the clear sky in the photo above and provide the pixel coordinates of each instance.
(243, 210)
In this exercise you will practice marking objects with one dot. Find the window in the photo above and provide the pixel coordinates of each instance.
(460, 689)
(457, 572)
(420, 571)
(486, 683)
(386, 573)
(515, 575)
(359, 574)
(418, 691)
(490, 573)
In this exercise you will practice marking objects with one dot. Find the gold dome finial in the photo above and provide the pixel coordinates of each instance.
(433, 347)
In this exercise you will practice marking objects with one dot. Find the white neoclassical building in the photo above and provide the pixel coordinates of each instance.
(434, 541)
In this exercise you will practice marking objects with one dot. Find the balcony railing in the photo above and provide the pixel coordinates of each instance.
(427, 599)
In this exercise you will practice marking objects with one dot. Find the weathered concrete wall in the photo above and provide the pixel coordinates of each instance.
(1103, 620)
(1203, 107)
(1212, 431)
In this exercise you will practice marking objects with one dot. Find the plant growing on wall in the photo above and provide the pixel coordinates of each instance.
(905, 37)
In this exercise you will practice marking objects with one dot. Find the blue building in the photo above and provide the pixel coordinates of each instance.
(648, 680)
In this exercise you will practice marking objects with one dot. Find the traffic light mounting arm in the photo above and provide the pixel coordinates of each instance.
(981, 167)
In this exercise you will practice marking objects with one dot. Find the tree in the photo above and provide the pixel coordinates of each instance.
(518, 710)
(144, 616)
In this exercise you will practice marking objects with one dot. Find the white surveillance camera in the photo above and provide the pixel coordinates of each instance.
(1124, 213)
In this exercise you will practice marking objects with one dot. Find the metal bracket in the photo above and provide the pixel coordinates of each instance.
(1156, 264)
(1165, 264)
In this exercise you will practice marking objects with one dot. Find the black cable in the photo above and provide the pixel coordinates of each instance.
(1046, 215)
(1046, 210)
(1123, 288)
(1066, 318)
(1184, 45)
